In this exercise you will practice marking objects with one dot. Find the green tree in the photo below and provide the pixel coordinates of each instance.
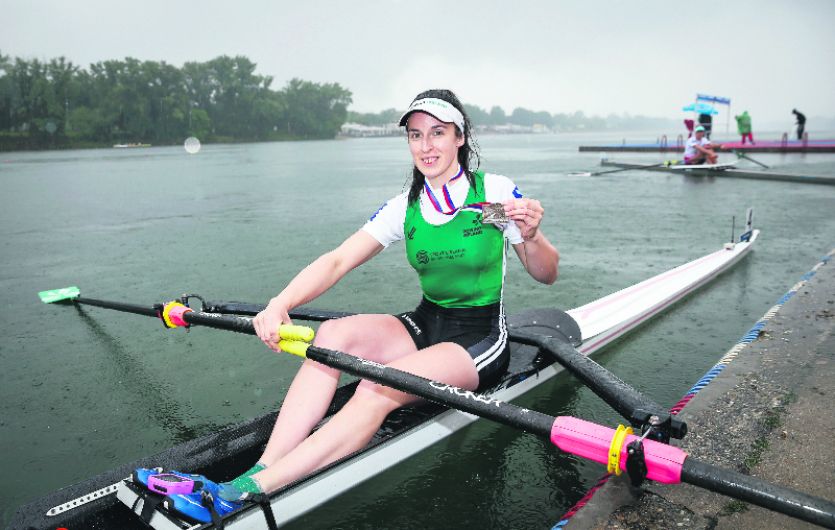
(315, 110)
(45, 104)
(6, 93)
(497, 116)
(383, 117)
(521, 116)
(200, 125)
(477, 115)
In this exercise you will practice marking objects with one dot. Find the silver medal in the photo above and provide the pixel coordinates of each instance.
(493, 213)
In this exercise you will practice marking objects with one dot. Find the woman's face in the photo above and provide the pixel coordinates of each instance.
(434, 145)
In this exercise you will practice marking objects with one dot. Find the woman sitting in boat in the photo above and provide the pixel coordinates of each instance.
(699, 150)
(456, 335)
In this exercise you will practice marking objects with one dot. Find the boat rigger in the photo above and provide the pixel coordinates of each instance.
(229, 452)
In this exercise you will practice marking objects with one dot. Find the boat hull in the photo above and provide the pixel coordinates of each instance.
(731, 172)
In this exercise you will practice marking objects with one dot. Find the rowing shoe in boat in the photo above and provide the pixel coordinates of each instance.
(223, 455)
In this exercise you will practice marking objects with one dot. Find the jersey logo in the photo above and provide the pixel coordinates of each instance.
(411, 234)
(474, 231)
(422, 257)
(378, 211)
(517, 193)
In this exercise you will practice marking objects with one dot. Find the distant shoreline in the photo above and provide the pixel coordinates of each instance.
(646, 135)
(67, 146)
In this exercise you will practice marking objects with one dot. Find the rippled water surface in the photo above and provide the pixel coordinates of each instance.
(86, 390)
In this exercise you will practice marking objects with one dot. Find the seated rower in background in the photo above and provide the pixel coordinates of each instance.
(699, 150)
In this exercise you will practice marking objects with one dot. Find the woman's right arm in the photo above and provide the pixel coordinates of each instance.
(312, 281)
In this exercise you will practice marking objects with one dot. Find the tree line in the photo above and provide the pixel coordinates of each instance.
(496, 116)
(56, 103)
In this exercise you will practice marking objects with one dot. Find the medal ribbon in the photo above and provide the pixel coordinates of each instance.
(448, 199)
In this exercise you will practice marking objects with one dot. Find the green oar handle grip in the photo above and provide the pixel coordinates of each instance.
(295, 333)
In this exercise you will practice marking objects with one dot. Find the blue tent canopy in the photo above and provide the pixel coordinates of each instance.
(700, 108)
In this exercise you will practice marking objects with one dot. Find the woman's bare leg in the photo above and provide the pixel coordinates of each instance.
(379, 338)
(353, 427)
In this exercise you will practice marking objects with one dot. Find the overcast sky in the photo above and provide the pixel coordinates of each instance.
(647, 57)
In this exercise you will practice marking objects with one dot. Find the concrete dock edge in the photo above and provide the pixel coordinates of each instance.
(770, 413)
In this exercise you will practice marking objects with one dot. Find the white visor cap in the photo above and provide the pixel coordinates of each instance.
(436, 107)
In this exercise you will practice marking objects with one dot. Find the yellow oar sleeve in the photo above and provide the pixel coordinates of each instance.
(295, 347)
(291, 332)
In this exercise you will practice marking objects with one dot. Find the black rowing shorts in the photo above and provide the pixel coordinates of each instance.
(482, 331)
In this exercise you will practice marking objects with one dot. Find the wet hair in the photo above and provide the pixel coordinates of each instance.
(468, 156)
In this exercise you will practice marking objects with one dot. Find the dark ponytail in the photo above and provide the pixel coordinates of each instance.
(467, 153)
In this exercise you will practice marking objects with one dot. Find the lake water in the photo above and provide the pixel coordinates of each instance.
(84, 391)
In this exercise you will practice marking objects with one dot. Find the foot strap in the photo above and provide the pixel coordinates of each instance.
(263, 501)
(150, 502)
(208, 501)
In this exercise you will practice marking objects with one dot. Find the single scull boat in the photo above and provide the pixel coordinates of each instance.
(91, 503)
(720, 170)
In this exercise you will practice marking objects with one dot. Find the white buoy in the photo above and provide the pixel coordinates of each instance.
(192, 145)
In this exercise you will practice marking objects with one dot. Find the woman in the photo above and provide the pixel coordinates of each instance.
(456, 335)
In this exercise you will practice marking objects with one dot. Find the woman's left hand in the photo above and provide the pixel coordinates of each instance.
(527, 213)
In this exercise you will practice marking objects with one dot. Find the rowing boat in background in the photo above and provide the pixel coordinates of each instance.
(722, 170)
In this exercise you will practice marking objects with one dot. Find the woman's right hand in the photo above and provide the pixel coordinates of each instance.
(267, 322)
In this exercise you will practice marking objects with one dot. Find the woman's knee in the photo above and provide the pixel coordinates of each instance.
(379, 338)
(336, 334)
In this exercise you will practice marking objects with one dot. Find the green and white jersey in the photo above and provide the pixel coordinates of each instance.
(460, 261)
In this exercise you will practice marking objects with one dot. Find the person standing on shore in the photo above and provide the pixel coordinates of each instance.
(801, 123)
(706, 121)
(743, 125)
(689, 124)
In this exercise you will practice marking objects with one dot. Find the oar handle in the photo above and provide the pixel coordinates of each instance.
(292, 332)
(295, 347)
(175, 314)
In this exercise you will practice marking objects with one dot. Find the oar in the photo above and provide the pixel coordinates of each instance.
(620, 450)
(173, 314)
(631, 404)
(249, 309)
(740, 154)
(587, 174)
(622, 397)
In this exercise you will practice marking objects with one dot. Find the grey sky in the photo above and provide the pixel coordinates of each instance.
(647, 57)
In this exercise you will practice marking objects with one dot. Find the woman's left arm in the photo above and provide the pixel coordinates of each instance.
(540, 258)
